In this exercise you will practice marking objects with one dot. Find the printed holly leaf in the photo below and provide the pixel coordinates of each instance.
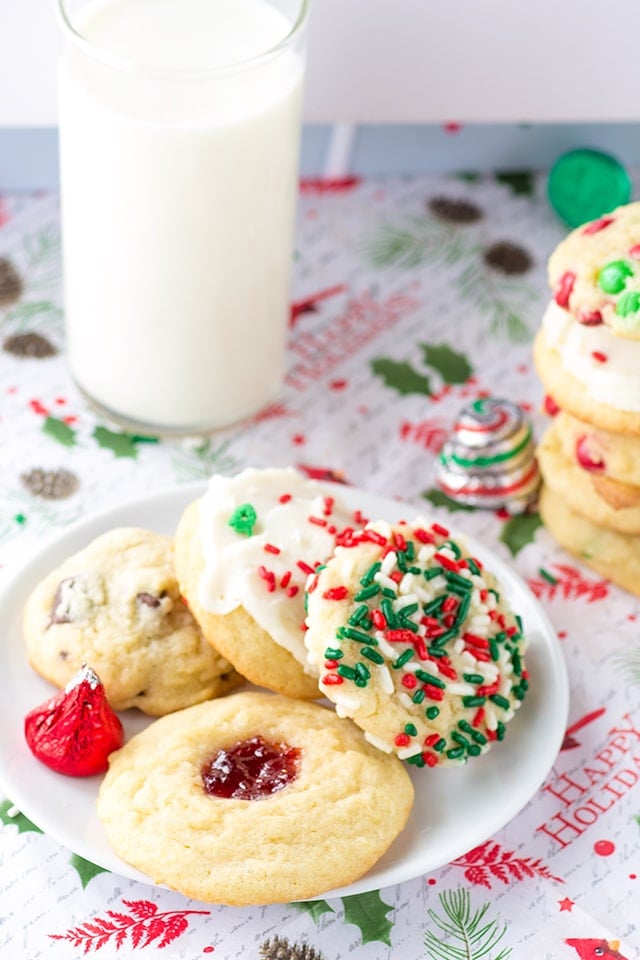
(440, 499)
(315, 908)
(60, 431)
(18, 820)
(122, 444)
(519, 531)
(85, 869)
(401, 376)
(369, 912)
(453, 367)
(522, 182)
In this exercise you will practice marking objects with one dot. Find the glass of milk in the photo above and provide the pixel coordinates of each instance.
(179, 140)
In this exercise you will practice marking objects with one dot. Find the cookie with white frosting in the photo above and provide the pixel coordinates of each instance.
(116, 605)
(416, 643)
(244, 552)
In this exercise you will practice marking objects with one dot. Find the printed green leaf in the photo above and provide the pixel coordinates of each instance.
(86, 870)
(60, 431)
(463, 933)
(453, 367)
(401, 376)
(369, 912)
(315, 908)
(18, 820)
(519, 531)
(122, 444)
(440, 499)
(521, 182)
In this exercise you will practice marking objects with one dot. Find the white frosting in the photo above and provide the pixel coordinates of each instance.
(616, 381)
(232, 560)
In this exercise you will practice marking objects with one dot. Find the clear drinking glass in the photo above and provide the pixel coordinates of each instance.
(179, 141)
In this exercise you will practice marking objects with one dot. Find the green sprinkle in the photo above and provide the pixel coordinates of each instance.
(243, 519)
(500, 701)
(516, 661)
(463, 609)
(332, 653)
(439, 745)
(360, 682)
(479, 737)
(519, 622)
(524, 683)
(374, 655)
(389, 613)
(433, 606)
(416, 759)
(501, 636)
(347, 672)
(358, 615)
(474, 750)
(455, 549)
(389, 593)
(470, 701)
(444, 637)
(500, 730)
(436, 651)
(362, 672)
(549, 577)
(20, 519)
(518, 693)
(401, 560)
(432, 712)
(430, 679)
(433, 572)
(411, 729)
(455, 753)
(455, 580)
(419, 696)
(367, 592)
(495, 593)
(403, 658)
(370, 574)
(473, 678)
(408, 610)
(410, 551)
(460, 739)
(493, 649)
(358, 635)
(473, 566)
(465, 725)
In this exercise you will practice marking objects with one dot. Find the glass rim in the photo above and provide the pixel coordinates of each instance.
(124, 64)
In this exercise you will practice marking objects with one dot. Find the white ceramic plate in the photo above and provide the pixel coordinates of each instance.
(455, 809)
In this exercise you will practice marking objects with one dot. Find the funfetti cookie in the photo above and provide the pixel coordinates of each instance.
(116, 606)
(244, 552)
(415, 642)
(584, 486)
(253, 799)
(594, 272)
(613, 555)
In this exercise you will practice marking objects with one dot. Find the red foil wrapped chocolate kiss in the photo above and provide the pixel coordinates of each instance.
(75, 731)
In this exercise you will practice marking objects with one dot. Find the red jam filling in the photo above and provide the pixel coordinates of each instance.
(251, 770)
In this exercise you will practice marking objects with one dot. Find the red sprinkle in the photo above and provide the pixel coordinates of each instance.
(597, 225)
(374, 537)
(446, 562)
(431, 739)
(409, 681)
(285, 498)
(564, 289)
(635, 251)
(430, 759)
(284, 580)
(271, 548)
(396, 576)
(434, 693)
(441, 531)
(332, 679)
(302, 565)
(445, 668)
(331, 664)
(292, 591)
(400, 636)
(402, 740)
(336, 593)
(590, 318)
(328, 506)
(599, 356)
(478, 718)
(449, 604)
(475, 641)
(319, 521)
(550, 406)
(449, 620)
(423, 536)
(378, 619)
(398, 540)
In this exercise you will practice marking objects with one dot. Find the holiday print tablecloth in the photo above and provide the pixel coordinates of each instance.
(411, 297)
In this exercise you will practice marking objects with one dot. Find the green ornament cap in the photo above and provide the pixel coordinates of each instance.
(585, 184)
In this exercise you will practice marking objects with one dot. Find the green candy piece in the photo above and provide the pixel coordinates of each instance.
(614, 275)
(585, 184)
(628, 303)
(243, 519)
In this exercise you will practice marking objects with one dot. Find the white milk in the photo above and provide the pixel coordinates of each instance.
(178, 201)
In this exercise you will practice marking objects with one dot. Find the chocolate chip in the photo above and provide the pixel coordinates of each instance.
(455, 211)
(63, 655)
(509, 258)
(60, 613)
(148, 599)
(29, 345)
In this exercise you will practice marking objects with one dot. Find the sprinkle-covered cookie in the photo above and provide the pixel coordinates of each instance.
(116, 606)
(244, 552)
(595, 272)
(416, 643)
(253, 799)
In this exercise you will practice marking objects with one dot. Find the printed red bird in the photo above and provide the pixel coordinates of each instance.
(589, 948)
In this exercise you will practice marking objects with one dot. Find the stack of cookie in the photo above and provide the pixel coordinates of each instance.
(587, 355)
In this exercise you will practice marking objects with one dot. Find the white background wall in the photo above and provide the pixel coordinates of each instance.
(408, 61)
